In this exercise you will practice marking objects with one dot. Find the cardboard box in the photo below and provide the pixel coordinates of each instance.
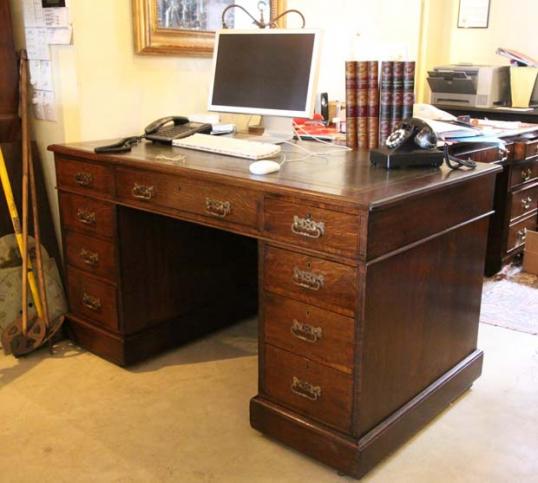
(530, 257)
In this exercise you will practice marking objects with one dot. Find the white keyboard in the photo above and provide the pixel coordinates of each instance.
(229, 146)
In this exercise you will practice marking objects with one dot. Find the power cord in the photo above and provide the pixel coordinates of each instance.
(454, 162)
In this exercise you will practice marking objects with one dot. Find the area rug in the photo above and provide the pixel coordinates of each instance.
(510, 300)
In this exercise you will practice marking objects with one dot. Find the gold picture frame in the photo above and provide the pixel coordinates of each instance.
(151, 37)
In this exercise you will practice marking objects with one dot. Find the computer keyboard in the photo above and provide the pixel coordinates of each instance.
(229, 146)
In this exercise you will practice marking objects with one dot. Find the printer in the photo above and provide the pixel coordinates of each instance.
(470, 85)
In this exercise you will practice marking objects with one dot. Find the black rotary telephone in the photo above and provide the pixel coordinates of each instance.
(414, 144)
(412, 133)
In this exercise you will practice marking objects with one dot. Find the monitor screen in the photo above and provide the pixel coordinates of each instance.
(267, 72)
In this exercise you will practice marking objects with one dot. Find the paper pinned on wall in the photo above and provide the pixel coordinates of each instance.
(37, 43)
(56, 17)
(60, 36)
(44, 106)
(33, 13)
(41, 74)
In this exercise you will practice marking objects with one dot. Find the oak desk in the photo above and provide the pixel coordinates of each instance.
(369, 281)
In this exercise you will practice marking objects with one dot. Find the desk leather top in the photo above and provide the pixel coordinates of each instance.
(344, 176)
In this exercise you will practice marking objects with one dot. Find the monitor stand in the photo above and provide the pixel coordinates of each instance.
(277, 130)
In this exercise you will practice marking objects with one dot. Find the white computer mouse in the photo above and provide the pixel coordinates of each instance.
(264, 166)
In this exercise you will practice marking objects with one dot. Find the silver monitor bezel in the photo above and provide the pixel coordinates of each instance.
(312, 82)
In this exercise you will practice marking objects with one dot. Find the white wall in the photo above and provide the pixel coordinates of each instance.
(359, 29)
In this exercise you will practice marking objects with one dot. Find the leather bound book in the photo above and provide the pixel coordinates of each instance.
(397, 94)
(408, 89)
(351, 104)
(362, 104)
(373, 104)
(385, 101)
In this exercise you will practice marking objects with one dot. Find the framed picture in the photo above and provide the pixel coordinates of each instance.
(473, 14)
(187, 27)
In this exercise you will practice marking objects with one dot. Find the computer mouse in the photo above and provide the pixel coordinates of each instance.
(264, 166)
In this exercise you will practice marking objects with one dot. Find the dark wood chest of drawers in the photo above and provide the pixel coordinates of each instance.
(515, 202)
(368, 282)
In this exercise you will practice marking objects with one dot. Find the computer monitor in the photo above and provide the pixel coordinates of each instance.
(271, 72)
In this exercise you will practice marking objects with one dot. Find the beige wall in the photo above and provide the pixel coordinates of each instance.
(512, 24)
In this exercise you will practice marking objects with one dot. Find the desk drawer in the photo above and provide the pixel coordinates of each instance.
(524, 201)
(308, 331)
(312, 227)
(87, 215)
(310, 388)
(524, 173)
(517, 232)
(525, 150)
(210, 199)
(92, 299)
(91, 255)
(89, 177)
(311, 280)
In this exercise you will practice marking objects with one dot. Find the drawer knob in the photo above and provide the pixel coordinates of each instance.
(526, 202)
(85, 216)
(89, 258)
(143, 192)
(83, 179)
(526, 174)
(305, 332)
(91, 302)
(309, 280)
(305, 389)
(217, 207)
(521, 235)
(307, 227)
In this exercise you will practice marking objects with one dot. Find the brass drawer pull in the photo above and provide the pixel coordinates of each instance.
(89, 258)
(91, 302)
(305, 332)
(521, 235)
(307, 227)
(526, 203)
(83, 179)
(526, 174)
(85, 216)
(305, 389)
(217, 207)
(309, 280)
(143, 192)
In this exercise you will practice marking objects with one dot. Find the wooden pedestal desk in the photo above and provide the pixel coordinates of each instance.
(368, 282)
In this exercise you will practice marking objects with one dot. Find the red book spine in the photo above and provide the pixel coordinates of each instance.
(351, 104)
(408, 89)
(373, 104)
(362, 104)
(385, 101)
(397, 94)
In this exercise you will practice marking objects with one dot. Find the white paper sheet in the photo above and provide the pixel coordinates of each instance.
(60, 36)
(37, 44)
(56, 17)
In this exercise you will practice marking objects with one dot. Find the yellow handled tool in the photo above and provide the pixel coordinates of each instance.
(8, 192)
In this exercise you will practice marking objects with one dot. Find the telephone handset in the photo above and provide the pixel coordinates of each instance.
(412, 133)
(167, 129)
(163, 121)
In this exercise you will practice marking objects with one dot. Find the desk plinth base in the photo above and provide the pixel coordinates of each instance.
(352, 456)
(127, 349)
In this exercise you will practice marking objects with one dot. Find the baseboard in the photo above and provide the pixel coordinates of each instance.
(355, 457)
